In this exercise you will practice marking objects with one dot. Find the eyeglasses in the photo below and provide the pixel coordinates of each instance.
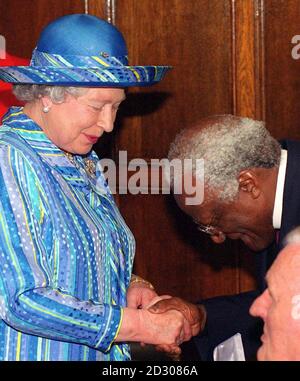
(209, 229)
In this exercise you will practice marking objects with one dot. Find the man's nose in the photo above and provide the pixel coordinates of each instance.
(260, 305)
(106, 119)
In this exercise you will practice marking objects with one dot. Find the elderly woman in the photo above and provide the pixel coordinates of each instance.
(66, 288)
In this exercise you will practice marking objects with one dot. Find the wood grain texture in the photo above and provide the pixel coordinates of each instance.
(248, 63)
(21, 21)
(99, 8)
(248, 91)
(173, 255)
(282, 71)
(195, 38)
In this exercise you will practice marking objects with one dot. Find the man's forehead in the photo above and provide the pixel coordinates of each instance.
(204, 209)
(290, 256)
(287, 266)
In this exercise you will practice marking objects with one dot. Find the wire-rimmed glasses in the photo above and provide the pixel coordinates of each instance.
(209, 229)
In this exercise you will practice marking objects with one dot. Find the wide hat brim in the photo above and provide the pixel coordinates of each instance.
(121, 76)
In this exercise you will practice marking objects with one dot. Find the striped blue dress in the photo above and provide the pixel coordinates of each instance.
(66, 253)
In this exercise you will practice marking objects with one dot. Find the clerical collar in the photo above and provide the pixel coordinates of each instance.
(277, 211)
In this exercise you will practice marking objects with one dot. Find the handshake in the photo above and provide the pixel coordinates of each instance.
(184, 320)
(163, 321)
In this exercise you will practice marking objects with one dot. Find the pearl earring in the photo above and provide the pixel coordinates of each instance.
(46, 109)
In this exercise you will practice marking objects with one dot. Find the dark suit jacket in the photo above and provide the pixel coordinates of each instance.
(227, 315)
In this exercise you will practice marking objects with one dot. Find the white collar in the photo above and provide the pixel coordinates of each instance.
(277, 211)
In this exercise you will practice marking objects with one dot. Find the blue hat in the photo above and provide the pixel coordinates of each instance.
(82, 50)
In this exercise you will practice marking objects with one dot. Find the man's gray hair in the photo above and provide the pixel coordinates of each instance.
(57, 94)
(292, 237)
(228, 144)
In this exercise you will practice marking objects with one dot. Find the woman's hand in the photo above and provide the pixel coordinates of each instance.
(193, 323)
(140, 325)
(168, 330)
(194, 314)
(140, 295)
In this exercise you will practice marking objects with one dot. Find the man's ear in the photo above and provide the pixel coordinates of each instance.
(249, 183)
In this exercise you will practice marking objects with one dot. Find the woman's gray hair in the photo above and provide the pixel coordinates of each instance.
(228, 144)
(57, 94)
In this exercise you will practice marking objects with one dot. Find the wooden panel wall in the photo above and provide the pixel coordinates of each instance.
(203, 41)
(22, 20)
(195, 38)
(229, 56)
(282, 79)
(168, 251)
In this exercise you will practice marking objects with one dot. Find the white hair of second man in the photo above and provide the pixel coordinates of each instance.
(293, 237)
(57, 94)
(228, 144)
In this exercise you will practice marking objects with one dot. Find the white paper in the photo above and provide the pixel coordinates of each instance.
(230, 350)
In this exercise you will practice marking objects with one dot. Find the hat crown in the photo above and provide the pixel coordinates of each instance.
(83, 35)
(82, 50)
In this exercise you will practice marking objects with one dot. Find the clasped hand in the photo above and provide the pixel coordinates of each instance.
(171, 320)
(193, 319)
